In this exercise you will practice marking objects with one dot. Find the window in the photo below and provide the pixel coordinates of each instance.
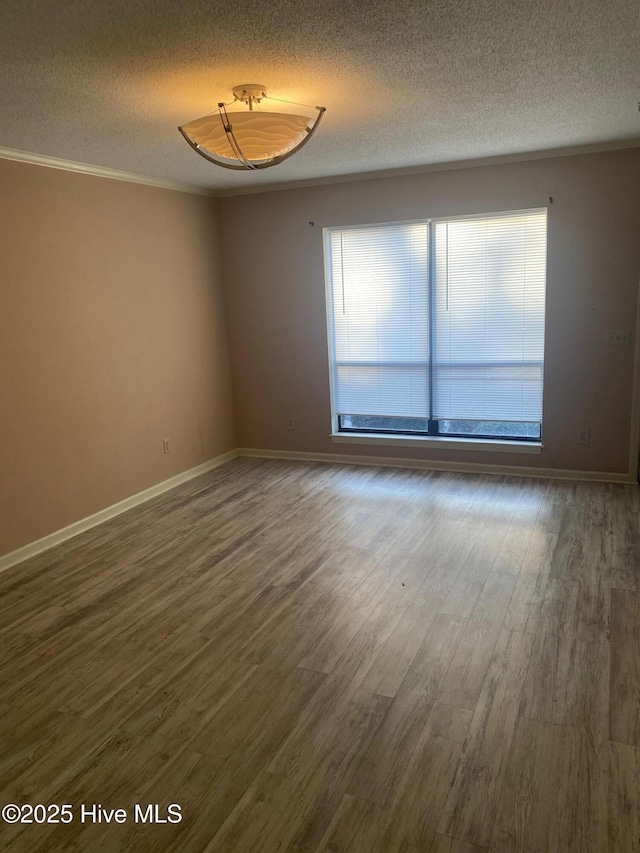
(437, 327)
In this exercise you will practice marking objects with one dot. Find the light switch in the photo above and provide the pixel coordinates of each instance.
(618, 337)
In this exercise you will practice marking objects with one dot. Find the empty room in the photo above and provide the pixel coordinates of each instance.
(320, 416)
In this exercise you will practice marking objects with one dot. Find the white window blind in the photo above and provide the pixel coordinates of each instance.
(379, 319)
(457, 338)
(489, 302)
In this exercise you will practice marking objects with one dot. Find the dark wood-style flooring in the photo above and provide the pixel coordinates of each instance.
(314, 657)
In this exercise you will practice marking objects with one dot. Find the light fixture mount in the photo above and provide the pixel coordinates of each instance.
(243, 135)
(249, 92)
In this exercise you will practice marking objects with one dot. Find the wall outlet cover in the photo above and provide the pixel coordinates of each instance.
(583, 436)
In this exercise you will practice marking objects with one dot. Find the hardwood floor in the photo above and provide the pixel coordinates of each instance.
(313, 657)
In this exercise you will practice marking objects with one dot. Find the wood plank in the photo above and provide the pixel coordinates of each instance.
(525, 605)
(332, 700)
(555, 792)
(385, 762)
(568, 679)
(390, 667)
(473, 802)
(409, 820)
(352, 658)
(624, 796)
(358, 826)
(443, 844)
(624, 707)
(625, 533)
(448, 548)
(468, 668)
(294, 812)
(242, 737)
(467, 587)
(321, 650)
(260, 710)
(493, 602)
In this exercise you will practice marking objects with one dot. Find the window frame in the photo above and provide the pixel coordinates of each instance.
(433, 429)
(432, 435)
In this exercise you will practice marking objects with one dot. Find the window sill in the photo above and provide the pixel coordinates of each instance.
(440, 442)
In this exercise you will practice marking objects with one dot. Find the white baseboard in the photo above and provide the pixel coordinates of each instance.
(58, 536)
(433, 465)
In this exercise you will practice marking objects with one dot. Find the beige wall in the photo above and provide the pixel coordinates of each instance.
(274, 282)
(113, 334)
(112, 337)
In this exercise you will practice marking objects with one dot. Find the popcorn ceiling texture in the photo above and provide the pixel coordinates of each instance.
(405, 83)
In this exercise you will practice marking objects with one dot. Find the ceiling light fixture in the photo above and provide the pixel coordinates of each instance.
(243, 135)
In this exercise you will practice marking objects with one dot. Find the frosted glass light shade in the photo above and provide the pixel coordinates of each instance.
(260, 135)
(243, 135)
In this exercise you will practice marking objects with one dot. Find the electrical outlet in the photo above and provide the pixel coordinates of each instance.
(583, 436)
(618, 337)
(165, 445)
(291, 424)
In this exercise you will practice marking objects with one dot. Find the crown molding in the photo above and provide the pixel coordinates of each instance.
(452, 165)
(98, 171)
(401, 171)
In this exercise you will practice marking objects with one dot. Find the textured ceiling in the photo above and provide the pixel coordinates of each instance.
(405, 82)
